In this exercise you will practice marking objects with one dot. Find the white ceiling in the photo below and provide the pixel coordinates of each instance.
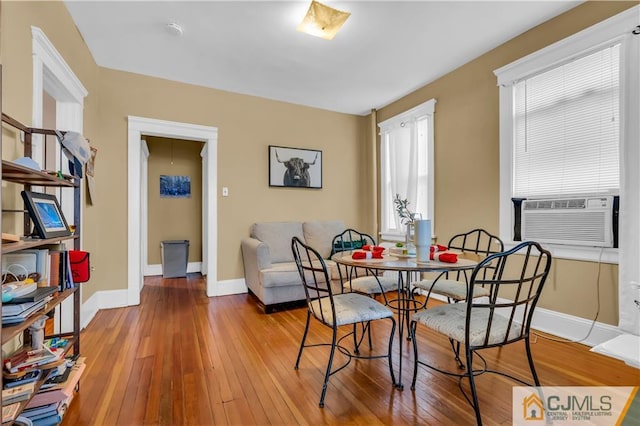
(384, 51)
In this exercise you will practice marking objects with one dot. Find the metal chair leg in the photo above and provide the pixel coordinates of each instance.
(412, 333)
(304, 338)
(455, 345)
(390, 351)
(532, 367)
(472, 385)
(330, 363)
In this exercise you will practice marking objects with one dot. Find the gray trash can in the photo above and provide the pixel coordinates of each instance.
(175, 254)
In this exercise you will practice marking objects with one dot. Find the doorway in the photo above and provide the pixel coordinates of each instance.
(174, 198)
(137, 196)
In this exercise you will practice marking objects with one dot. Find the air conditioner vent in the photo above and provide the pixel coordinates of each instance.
(570, 203)
(573, 221)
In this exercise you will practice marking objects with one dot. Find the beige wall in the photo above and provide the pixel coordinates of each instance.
(466, 135)
(467, 157)
(246, 126)
(174, 218)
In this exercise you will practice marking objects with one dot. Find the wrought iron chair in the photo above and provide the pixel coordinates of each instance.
(501, 318)
(336, 310)
(476, 243)
(361, 280)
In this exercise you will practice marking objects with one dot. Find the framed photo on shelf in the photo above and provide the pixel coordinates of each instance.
(46, 214)
(295, 167)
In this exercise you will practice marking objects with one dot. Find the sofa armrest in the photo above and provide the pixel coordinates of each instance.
(256, 256)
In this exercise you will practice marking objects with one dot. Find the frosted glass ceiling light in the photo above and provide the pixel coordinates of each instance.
(322, 21)
(174, 29)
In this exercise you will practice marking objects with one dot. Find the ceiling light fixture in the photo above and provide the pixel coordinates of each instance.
(322, 21)
(174, 29)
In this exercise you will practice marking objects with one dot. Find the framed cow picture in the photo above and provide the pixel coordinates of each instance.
(295, 167)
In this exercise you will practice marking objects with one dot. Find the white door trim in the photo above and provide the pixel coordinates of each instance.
(51, 74)
(168, 129)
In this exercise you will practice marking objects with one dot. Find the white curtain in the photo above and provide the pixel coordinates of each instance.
(403, 159)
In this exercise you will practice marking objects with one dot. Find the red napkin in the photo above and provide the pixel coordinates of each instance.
(438, 247)
(358, 255)
(444, 257)
(374, 249)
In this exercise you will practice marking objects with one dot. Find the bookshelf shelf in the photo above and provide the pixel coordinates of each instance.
(11, 331)
(32, 243)
(16, 173)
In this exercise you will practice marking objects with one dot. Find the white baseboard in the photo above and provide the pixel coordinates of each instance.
(227, 287)
(153, 270)
(89, 309)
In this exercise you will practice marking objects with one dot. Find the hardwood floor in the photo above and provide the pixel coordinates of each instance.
(180, 358)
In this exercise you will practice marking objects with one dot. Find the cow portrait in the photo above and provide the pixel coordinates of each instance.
(297, 171)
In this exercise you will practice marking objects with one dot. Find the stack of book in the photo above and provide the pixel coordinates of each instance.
(24, 360)
(21, 307)
(47, 407)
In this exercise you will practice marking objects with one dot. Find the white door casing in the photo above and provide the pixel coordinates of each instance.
(152, 127)
(51, 74)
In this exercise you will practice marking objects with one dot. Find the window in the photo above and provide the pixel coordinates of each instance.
(566, 127)
(406, 156)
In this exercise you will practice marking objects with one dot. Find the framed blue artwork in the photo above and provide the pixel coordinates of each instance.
(175, 186)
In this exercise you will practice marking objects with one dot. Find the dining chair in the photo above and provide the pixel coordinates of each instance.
(477, 243)
(335, 311)
(500, 318)
(361, 280)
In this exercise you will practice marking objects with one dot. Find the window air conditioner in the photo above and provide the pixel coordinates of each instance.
(575, 221)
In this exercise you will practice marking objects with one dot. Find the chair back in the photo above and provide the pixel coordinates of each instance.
(350, 239)
(476, 244)
(347, 240)
(315, 279)
(515, 287)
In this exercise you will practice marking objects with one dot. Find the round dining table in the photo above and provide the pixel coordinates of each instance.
(407, 267)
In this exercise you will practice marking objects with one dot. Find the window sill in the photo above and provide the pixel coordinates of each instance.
(400, 237)
(392, 237)
(586, 254)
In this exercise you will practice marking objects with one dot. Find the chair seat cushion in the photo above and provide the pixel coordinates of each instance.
(350, 308)
(456, 290)
(450, 319)
(370, 285)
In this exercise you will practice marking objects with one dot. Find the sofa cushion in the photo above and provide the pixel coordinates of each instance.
(286, 273)
(280, 275)
(319, 235)
(278, 235)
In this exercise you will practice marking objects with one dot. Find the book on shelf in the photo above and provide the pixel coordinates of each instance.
(18, 393)
(60, 274)
(34, 359)
(35, 296)
(9, 412)
(46, 411)
(28, 377)
(60, 392)
(28, 309)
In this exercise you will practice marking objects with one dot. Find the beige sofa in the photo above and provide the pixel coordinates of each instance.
(270, 272)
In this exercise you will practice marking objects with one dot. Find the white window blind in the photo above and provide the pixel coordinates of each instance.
(567, 128)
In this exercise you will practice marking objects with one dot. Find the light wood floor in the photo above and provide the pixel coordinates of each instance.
(180, 358)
